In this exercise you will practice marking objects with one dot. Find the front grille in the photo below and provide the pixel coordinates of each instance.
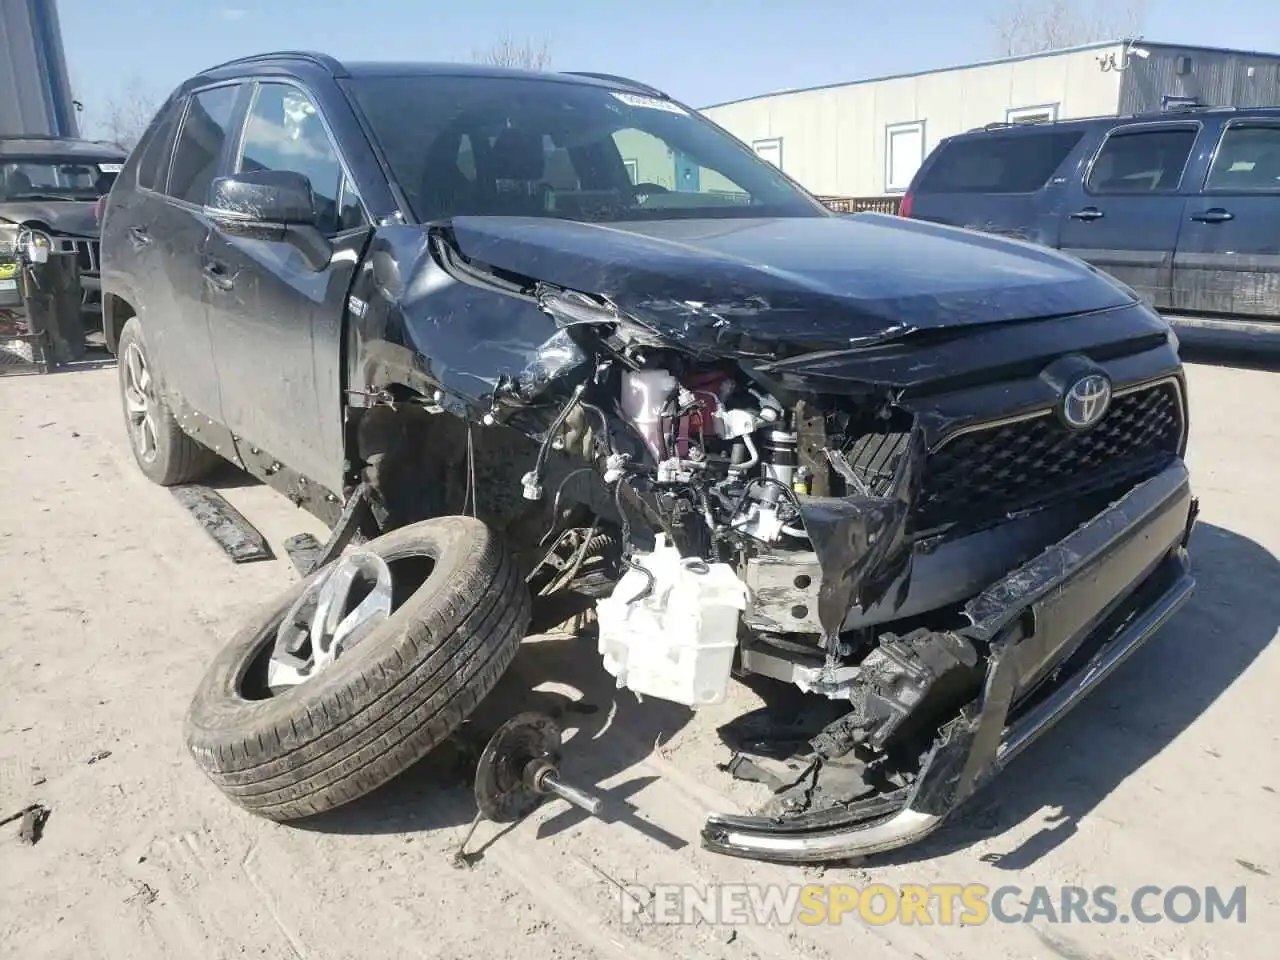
(983, 474)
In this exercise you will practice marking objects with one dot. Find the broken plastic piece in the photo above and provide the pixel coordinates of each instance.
(676, 642)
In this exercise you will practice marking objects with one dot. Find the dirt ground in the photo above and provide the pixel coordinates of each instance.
(113, 599)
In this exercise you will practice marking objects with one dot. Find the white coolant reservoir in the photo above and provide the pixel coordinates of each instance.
(644, 394)
(677, 641)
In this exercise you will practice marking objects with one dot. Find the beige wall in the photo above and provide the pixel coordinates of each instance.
(655, 164)
(833, 140)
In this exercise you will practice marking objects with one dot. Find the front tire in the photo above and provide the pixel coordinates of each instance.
(163, 451)
(382, 706)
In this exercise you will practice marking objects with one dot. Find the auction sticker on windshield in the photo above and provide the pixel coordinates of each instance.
(111, 167)
(650, 103)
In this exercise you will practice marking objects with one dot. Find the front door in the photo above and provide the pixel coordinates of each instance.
(1123, 215)
(1228, 256)
(276, 320)
(688, 173)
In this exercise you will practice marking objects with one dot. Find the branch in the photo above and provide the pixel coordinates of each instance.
(519, 54)
(1036, 26)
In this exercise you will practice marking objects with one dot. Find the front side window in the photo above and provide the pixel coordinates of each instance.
(284, 132)
(1248, 161)
(549, 148)
(1146, 161)
(199, 148)
(57, 178)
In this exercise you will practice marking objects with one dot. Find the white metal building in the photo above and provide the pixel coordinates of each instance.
(35, 92)
(867, 138)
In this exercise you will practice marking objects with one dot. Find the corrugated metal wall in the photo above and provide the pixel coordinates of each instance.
(35, 90)
(834, 138)
(1218, 78)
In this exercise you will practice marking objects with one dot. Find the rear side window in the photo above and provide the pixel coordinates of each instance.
(1248, 161)
(199, 147)
(998, 164)
(1142, 161)
(153, 164)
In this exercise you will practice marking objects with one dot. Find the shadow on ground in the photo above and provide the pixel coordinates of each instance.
(227, 476)
(1135, 714)
(607, 731)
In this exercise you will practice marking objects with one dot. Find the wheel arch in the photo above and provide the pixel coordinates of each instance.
(116, 312)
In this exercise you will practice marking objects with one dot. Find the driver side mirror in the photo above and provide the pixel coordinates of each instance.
(273, 205)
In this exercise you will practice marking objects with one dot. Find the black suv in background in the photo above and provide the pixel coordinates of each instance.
(50, 188)
(546, 339)
(1183, 206)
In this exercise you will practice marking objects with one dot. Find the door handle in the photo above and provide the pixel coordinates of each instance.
(1213, 215)
(216, 274)
(1088, 214)
(139, 236)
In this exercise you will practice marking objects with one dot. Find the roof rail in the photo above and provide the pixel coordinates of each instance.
(322, 60)
(614, 78)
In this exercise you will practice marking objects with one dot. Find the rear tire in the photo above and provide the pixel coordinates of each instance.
(377, 709)
(164, 452)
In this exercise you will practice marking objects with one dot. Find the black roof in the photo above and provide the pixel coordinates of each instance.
(28, 145)
(1172, 115)
(305, 61)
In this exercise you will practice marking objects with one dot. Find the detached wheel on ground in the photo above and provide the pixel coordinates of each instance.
(381, 656)
(165, 453)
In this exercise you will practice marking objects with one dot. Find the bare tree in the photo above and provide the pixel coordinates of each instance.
(125, 114)
(521, 54)
(1034, 26)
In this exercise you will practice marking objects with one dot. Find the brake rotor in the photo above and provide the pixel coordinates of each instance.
(504, 793)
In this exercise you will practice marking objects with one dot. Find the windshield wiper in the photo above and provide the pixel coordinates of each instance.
(43, 196)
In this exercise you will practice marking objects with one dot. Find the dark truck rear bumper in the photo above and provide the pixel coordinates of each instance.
(1095, 597)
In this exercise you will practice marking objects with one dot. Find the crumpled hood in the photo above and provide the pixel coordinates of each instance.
(72, 217)
(770, 286)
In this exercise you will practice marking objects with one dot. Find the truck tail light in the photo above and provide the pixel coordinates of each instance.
(904, 208)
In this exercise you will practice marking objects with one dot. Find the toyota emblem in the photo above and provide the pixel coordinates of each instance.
(1085, 401)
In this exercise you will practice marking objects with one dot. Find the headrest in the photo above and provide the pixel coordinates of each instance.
(517, 155)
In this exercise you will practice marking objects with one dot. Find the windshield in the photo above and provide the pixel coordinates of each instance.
(501, 146)
(53, 178)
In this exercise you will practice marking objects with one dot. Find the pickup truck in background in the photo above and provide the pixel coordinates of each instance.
(1183, 206)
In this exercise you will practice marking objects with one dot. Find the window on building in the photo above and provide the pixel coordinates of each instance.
(770, 150)
(284, 132)
(903, 154)
(1247, 161)
(1046, 113)
(633, 170)
(199, 147)
(1142, 161)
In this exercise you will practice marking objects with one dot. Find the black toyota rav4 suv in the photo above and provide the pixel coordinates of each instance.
(537, 343)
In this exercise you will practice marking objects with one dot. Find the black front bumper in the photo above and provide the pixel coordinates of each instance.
(1056, 628)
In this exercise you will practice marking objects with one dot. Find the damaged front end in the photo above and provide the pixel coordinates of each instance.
(48, 283)
(942, 537)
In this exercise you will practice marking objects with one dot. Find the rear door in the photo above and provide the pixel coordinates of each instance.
(1123, 215)
(169, 237)
(1227, 261)
(1007, 182)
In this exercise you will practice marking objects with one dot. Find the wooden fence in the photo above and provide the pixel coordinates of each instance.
(862, 204)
